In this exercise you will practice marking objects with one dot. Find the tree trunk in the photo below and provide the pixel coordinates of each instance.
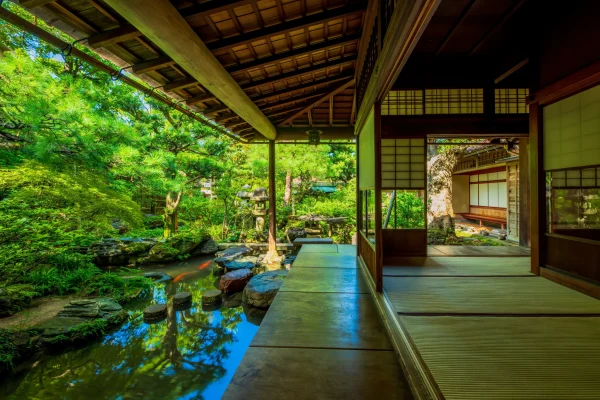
(440, 214)
(171, 214)
(287, 195)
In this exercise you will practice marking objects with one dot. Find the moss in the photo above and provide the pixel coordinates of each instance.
(9, 352)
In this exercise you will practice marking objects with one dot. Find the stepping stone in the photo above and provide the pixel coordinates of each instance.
(155, 313)
(211, 297)
(182, 299)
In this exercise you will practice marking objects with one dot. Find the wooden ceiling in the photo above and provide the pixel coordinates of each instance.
(295, 59)
(472, 41)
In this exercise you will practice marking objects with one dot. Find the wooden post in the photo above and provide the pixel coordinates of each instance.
(524, 205)
(378, 216)
(272, 254)
(537, 190)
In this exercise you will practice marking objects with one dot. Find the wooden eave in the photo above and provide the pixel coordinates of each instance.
(281, 53)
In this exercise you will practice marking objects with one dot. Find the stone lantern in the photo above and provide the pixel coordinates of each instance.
(260, 198)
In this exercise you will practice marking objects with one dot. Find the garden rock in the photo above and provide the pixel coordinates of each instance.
(261, 289)
(104, 308)
(230, 254)
(155, 313)
(206, 247)
(235, 281)
(158, 276)
(248, 262)
(232, 301)
(75, 315)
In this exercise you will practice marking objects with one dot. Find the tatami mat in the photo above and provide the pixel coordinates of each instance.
(485, 295)
(478, 251)
(510, 358)
(459, 266)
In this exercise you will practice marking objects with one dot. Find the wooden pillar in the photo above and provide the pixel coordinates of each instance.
(272, 202)
(524, 205)
(378, 216)
(537, 189)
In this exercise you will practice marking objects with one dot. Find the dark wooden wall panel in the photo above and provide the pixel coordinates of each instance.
(570, 38)
(367, 252)
(579, 257)
(404, 242)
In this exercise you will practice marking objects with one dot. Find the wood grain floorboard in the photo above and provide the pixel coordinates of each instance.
(325, 280)
(283, 373)
(324, 320)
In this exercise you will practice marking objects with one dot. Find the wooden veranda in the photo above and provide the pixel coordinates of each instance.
(389, 75)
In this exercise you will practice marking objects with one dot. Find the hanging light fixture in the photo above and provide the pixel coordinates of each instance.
(314, 136)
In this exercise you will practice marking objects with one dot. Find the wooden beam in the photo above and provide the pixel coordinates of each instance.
(298, 72)
(297, 52)
(160, 21)
(306, 85)
(114, 36)
(284, 28)
(35, 3)
(511, 70)
(180, 84)
(295, 99)
(328, 133)
(151, 65)
(338, 88)
(200, 99)
(215, 109)
(284, 111)
(211, 7)
(460, 21)
(406, 26)
(495, 29)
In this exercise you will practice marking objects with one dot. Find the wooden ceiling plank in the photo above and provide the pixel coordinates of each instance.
(306, 85)
(114, 36)
(70, 18)
(162, 23)
(211, 7)
(297, 52)
(292, 100)
(497, 27)
(35, 3)
(460, 20)
(284, 111)
(180, 84)
(153, 64)
(103, 11)
(289, 26)
(298, 72)
(340, 87)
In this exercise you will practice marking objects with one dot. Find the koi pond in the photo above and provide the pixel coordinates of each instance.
(192, 354)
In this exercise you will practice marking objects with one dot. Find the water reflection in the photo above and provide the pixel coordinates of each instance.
(192, 354)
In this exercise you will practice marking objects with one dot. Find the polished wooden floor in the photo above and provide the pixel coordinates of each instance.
(322, 337)
(485, 328)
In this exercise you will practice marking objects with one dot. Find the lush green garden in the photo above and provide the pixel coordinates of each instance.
(85, 157)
